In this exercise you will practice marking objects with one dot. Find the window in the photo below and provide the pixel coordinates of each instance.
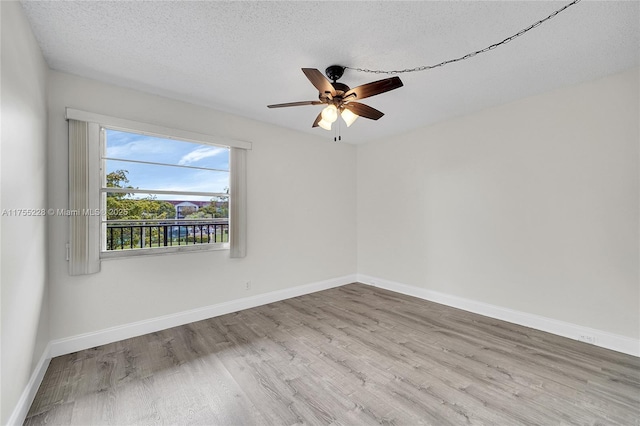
(160, 193)
(138, 188)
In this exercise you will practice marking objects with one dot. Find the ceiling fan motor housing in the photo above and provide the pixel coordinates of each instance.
(336, 100)
(334, 72)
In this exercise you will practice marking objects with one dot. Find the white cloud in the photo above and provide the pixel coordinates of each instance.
(192, 185)
(130, 145)
(130, 150)
(199, 154)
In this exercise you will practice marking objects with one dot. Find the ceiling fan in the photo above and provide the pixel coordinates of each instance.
(340, 99)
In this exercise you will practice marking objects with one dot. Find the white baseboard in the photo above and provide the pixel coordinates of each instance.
(89, 340)
(126, 331)
(26, 399)
(601, 338)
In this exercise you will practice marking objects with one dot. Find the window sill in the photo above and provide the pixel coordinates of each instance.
(162, 251)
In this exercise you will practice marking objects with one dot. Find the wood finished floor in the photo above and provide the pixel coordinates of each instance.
(351, 355)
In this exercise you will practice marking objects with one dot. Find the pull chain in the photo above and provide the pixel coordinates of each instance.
(338, 131)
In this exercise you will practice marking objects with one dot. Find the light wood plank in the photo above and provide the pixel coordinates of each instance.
(353, 355)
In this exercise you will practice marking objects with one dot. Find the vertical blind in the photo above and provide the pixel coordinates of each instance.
(84, 196)
(238, 203)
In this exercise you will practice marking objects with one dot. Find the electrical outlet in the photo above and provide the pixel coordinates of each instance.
(588, 338)
(247, 285)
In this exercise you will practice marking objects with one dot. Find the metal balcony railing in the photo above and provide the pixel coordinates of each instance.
(140, 234)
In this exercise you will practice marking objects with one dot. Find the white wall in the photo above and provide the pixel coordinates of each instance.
(531, 206)
(301, 219)
(23, 148)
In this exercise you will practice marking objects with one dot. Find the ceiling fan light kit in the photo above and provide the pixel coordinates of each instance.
(324, 124)
(340, 99)
(348, 117)
(330, 113)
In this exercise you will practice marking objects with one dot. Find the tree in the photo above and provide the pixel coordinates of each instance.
(117, 179)
(122, 206)
(186, 211)
(218, 207)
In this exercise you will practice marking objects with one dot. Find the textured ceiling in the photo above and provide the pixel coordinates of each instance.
(241, 56)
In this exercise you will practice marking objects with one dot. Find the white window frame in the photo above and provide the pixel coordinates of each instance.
(137, 251)
(98, 122)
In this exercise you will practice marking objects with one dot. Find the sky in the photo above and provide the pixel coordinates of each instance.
(130, 146)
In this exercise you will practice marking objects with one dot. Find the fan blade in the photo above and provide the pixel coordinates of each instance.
(290, 104)
(363, 110)
(319, 81)
(318, 118)
(375, 88)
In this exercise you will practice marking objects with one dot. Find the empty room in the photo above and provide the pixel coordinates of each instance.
(288, 212)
